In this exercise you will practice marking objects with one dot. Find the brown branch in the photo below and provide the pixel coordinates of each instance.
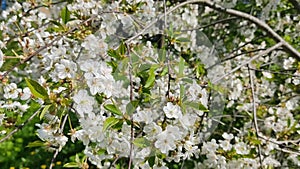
(248, 61)
(254, 111)
(131, 99)
(57, 149)
(19, 127)
(290, 49)
(211, 24)
(296, 5)
(28, 58)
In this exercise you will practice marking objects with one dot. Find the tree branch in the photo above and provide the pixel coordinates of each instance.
(290, 49)
(248, 61)
(296, 5)
(19, 127)
(254, 111)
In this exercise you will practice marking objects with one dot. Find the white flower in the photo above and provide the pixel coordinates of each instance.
(95, 84)
(11, 91)
(1, 58)
(142, 116)
(288, 63)
(241, 148)
(227, 136)
(190, 149)
(2, 116)
(269, 161)
(187, 121)
(165, 143)
(209, 147)
(267, 75)
(166, 139)
(45, 132)
(84, 102)
(172, 111)
(94, 45)
(26, 94)
(173, 132)
(65, 69)
(152, 130)
(225, 144)
(90, 66)
(61, 140)
(81, 135)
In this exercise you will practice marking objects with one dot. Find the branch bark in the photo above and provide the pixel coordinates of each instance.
(248, 61)
(289, 48)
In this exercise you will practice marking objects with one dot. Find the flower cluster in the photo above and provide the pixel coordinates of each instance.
(147, 93)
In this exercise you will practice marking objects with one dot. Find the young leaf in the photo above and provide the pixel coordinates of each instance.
(36, 89)
(181, 66)
(72, 165)
(65, 15)
(122, 49)
(151, 77)
(113, 109)
(131, 107)
(110, 122)
(141, 142)
(36, 144)
(45, 109)
(181, 92)
(197, 106)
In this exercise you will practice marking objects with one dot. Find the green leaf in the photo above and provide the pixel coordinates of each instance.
(45, 109)
(151, 77)
(150, 80)
(36, 144)
(141, 142)
(183, 40)
(122, 49)
(197, 106)
(181, 91)
(109, 122)
(151, 160)
(131, 107)
(65, 15)
(71, 165)
(113, 109)
(114, 54)
(36, 89)
(181, 66)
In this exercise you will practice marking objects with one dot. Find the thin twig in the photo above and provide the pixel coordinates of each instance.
(233, 12)
(131, 99)
(286, 142)
(254, 111)
(114, 162)
(228, 115)
(244, 53)
(211, 24)
(57, 149)
(231, 55)
(248, 61)
(270, 71)
(44, 47)
(254, 20)
(166, 49)
(280, 143)
(19, 127)
(222, 123)
(51, 43)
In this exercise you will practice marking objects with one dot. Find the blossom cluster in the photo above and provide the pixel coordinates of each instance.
(134, 99)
